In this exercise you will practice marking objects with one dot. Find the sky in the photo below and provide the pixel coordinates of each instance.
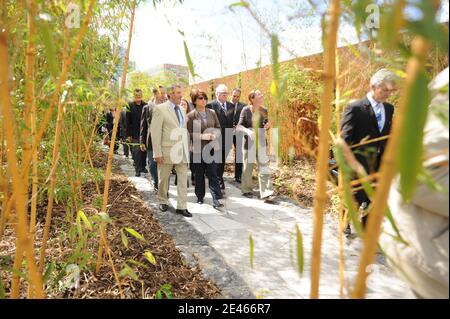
(223, 41)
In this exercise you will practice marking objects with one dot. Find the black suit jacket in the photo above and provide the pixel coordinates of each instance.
(237, 113)
(133, 117)
(359, 122)
(225, 119)
(123, 124)
(146, 120)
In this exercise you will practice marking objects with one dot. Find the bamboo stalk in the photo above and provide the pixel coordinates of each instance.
(113, 140)
(341, 215)
(91, 139)
(420, 47)
(320, 197)
(23, 239)
(88, 156)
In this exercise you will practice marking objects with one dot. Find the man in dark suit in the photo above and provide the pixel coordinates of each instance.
(238, 136)
(133, 117)
(367, 119)
(225, 113)
(123, 132)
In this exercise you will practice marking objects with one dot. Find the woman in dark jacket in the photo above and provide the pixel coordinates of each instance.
(204, 127)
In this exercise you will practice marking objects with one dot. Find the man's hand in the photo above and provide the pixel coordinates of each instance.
(159, 160)
(143, 148)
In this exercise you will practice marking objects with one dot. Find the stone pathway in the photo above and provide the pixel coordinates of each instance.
(218, 241)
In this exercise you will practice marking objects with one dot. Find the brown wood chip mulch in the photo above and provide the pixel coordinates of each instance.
(127, 209)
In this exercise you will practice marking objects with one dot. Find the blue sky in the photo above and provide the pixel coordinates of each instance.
(222, 42)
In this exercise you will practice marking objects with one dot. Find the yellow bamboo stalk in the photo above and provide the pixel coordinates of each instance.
(341, 219)
(23, 239)
(88, 156)
(51, 189)
(30, 104)
(113, 140)
(91, 139)
(320, 197)
(420, 47)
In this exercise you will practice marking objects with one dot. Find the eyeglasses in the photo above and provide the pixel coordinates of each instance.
(201, 98)
(223, 93)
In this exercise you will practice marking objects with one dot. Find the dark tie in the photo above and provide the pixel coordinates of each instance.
(379, 116)
(224, 107)
(179, 116)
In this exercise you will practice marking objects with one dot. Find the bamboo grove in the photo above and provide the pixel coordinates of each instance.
(55, 81)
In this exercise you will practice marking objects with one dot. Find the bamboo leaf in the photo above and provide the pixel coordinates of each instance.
(189, 60)
(127, 271)
(104, 217)
(137, 263)
(48, 271)
(149, 256)
(348, 196)
(300, 256)
(394, 226)
(124, 238)
(252, 250)
(135, 234)
(85, 220)
(237, 4)
(411, 149)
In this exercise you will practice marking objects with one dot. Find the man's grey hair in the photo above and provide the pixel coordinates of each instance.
(383, 76)
(172, 87)
(221, 88)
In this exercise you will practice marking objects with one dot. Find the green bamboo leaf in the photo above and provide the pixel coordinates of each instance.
(48, 271)
(300, 256)
(252, 250)
(391, 220)
(189, 60)
(135, 234)
(411, 148)
(104, 217)
(237, 4)
(87, 223)
(348, 195)
(124, 238)
(127, 271)
(149, 256)
(137, 263)
(49, 46)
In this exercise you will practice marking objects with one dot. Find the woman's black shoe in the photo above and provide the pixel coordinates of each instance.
(200, 201)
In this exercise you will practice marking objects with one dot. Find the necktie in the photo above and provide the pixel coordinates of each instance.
(379, 115)
(224, 107)
(179, 116)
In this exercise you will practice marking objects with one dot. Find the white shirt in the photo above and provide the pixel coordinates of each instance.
(376, 106)
(180, 113)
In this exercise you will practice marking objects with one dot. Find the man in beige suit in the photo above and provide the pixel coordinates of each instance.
(170, 148)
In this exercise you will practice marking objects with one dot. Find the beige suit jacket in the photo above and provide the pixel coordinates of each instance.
(169, 140)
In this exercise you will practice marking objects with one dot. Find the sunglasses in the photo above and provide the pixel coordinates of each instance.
(201, 98)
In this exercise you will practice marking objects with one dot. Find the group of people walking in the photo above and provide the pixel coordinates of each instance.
(172, 134)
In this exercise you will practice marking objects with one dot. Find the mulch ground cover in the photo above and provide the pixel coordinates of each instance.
(169, 276)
